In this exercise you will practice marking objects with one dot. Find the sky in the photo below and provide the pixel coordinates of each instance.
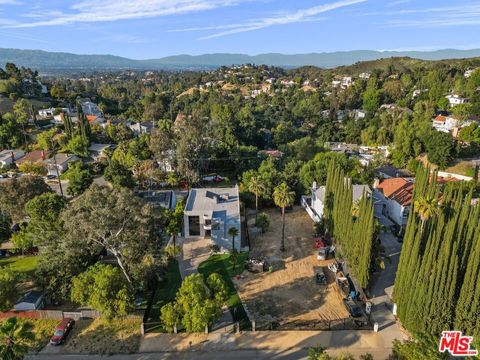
(145, 29)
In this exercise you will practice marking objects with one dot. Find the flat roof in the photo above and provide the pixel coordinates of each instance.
(216, 200)
(157, 197)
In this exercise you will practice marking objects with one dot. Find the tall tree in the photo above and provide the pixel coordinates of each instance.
(14, 338)
(283, 197)
(115, 220)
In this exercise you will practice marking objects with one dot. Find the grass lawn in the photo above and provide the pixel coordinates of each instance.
(100, 336)
(221, 264)
(166, 291)
(21, 264)
(43, 330)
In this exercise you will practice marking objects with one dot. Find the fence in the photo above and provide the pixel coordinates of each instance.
(323, 325)
(50, 314)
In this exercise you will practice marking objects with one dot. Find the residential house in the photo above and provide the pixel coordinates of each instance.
(9, 157)
(454, 100)
(211, 212)
(33, 157)
(90, 108)
(46, 112)
(357, 114)
(314, 204)
(33, 300)
(417, 93)
(141, 128)
(365, 76)
(98, 151)
(469, 73)
(159, 198)
(341, 147)
(451, 123)
(389, 171)
(393, 198)
(346, 82)
(62, 161)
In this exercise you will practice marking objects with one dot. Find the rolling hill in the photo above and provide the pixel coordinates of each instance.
(60, 61)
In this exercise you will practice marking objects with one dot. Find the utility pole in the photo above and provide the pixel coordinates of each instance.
(56, 166)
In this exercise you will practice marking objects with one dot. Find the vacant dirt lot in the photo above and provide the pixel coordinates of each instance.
(289, 294)
(99, 336)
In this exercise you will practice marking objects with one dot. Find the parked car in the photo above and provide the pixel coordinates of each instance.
(322, 253)
(320, 277)
(62, 331)
(352, 308)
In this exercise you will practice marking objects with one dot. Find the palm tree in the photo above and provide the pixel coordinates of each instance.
(283, 197)
(233, 231)
(256, 187)
(175, 224)
(14, 337)
(426, 207)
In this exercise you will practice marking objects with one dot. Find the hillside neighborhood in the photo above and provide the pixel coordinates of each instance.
(246, 207)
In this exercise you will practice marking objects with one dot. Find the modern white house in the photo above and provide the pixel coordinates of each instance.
(451, 123)
(8, 157)
(393, 198)
(62, 163)
(211, 212)
(314, 204)
(454, 100)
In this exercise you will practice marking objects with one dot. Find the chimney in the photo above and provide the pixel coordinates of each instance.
(376, 182)
(43, 155)
(13, 157)
(314, 186)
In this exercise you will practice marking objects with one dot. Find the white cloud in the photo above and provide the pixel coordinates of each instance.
(448, 16)
(302, 15)
(113, 10)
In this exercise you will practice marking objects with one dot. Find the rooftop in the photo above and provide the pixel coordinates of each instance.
(357, 192)
(31, 297)
(210, 200)
(157, 197)
(398, 189)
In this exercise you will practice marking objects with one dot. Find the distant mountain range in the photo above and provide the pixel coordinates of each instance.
(51, 61)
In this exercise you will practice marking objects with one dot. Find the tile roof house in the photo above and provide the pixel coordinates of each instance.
(393, 198)
(33, 156)
(211, 212)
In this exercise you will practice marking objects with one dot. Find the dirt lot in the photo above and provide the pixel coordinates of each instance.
(100, 336)
(289, 294)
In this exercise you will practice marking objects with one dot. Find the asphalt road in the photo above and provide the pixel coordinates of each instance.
(210, 355)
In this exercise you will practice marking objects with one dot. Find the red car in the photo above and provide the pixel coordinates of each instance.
(61, 332)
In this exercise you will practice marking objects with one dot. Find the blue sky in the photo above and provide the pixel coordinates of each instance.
(144, 29)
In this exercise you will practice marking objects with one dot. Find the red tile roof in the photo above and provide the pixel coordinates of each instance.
(440, 118)
(34, 156)
(397, 189)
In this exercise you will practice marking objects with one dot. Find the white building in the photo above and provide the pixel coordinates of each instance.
(314, 204)
(469, 73)
(364, 76)
(46, 112)
(450, 123)
(142, 128)
(347, 81)
(393, 198)
(90, 108)
(454, 100)
(210, 213)
(8, 157)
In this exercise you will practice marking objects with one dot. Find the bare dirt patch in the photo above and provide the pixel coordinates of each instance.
(289, 294)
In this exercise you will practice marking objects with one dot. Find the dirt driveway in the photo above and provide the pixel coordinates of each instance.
(289, 294)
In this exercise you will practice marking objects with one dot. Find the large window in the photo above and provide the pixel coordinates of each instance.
(194, 225)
